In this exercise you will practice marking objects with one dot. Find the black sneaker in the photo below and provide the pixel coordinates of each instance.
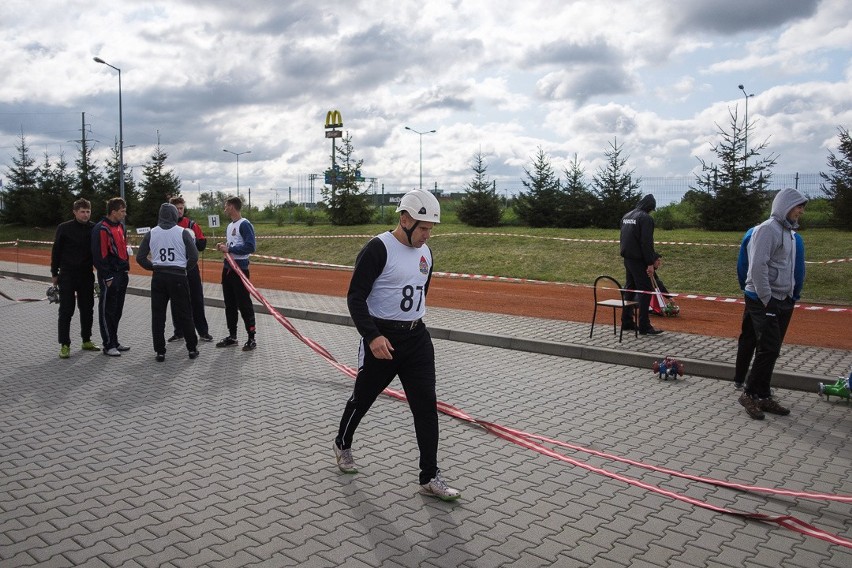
(650, 331)
(160, 357)
(227, 342)
(751, 406)
(629, 326)
(193, 354)
(205, 337)
(250, 345)
(174, 338)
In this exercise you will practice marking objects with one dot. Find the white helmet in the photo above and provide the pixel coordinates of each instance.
(421, 205)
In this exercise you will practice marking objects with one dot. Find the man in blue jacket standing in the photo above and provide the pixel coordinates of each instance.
(770, 287)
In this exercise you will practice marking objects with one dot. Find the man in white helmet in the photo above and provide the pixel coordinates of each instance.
(387, 301)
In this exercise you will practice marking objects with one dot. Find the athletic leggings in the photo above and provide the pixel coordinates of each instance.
(414, 362)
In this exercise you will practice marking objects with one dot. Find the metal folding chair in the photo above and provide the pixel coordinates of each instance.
(605, 290)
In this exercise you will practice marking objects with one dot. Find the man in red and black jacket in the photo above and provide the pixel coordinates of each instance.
(111, 260)
(196, 288)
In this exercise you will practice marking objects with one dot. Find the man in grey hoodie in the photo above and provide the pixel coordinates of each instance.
(769, 292)
(172, 251)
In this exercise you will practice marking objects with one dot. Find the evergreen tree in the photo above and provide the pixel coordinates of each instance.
(22, 186)
(348, 204)
(838, 182)
(55, 198)
(110, 185)
(735, 190)
(615, 188)
(541, 206)
(580, 201)
(88, 181)
(480, 206)
(158, 186)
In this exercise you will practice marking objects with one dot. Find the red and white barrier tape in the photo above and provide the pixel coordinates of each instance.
(810, 308)
(303, 262)
(570, 240)
(563, 239)
(532, 442)
(314, 236)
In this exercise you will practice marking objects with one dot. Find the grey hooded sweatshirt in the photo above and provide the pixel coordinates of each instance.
(168, 219)
(772, 251)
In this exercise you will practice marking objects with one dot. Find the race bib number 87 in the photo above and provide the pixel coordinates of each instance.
(408, 296)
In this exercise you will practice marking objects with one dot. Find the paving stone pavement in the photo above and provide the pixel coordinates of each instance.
(226, 460)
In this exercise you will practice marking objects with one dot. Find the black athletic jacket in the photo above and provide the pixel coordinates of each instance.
(72, 248)
(637, 232)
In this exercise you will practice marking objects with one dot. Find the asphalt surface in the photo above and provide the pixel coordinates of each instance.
(226, 460)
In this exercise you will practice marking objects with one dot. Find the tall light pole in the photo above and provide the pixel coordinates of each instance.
(745, 151)
(198, 186)
(421, 149)
(120, 130)
(237, 154)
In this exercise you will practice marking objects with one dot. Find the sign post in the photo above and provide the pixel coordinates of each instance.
(212, 222)
(333, 121)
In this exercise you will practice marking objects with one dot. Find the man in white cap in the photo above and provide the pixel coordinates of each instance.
(387, 301)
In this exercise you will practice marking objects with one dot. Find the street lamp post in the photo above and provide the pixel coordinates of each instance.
(237, 154)
(421, 150)
(745, 136)
(198, 187)
(120, 130)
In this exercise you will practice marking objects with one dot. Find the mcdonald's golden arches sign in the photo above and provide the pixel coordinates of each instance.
(333, 119)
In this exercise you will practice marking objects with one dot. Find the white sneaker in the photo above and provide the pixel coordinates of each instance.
(112, 352)
(440, 489)
(345, 461)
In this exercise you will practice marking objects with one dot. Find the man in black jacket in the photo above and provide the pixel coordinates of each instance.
(71, 268)
(637, 248)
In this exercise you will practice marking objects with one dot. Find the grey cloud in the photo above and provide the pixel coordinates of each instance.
(581, 84)
(445, 98)
(729, 17)
(377, 54)
(567, 52)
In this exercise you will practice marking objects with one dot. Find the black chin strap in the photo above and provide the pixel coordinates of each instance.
(409, 232)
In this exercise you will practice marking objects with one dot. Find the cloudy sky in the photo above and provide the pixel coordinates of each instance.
(500, 77)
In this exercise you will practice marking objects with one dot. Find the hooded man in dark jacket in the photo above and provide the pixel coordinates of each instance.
(640, 259)
(172, 251)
